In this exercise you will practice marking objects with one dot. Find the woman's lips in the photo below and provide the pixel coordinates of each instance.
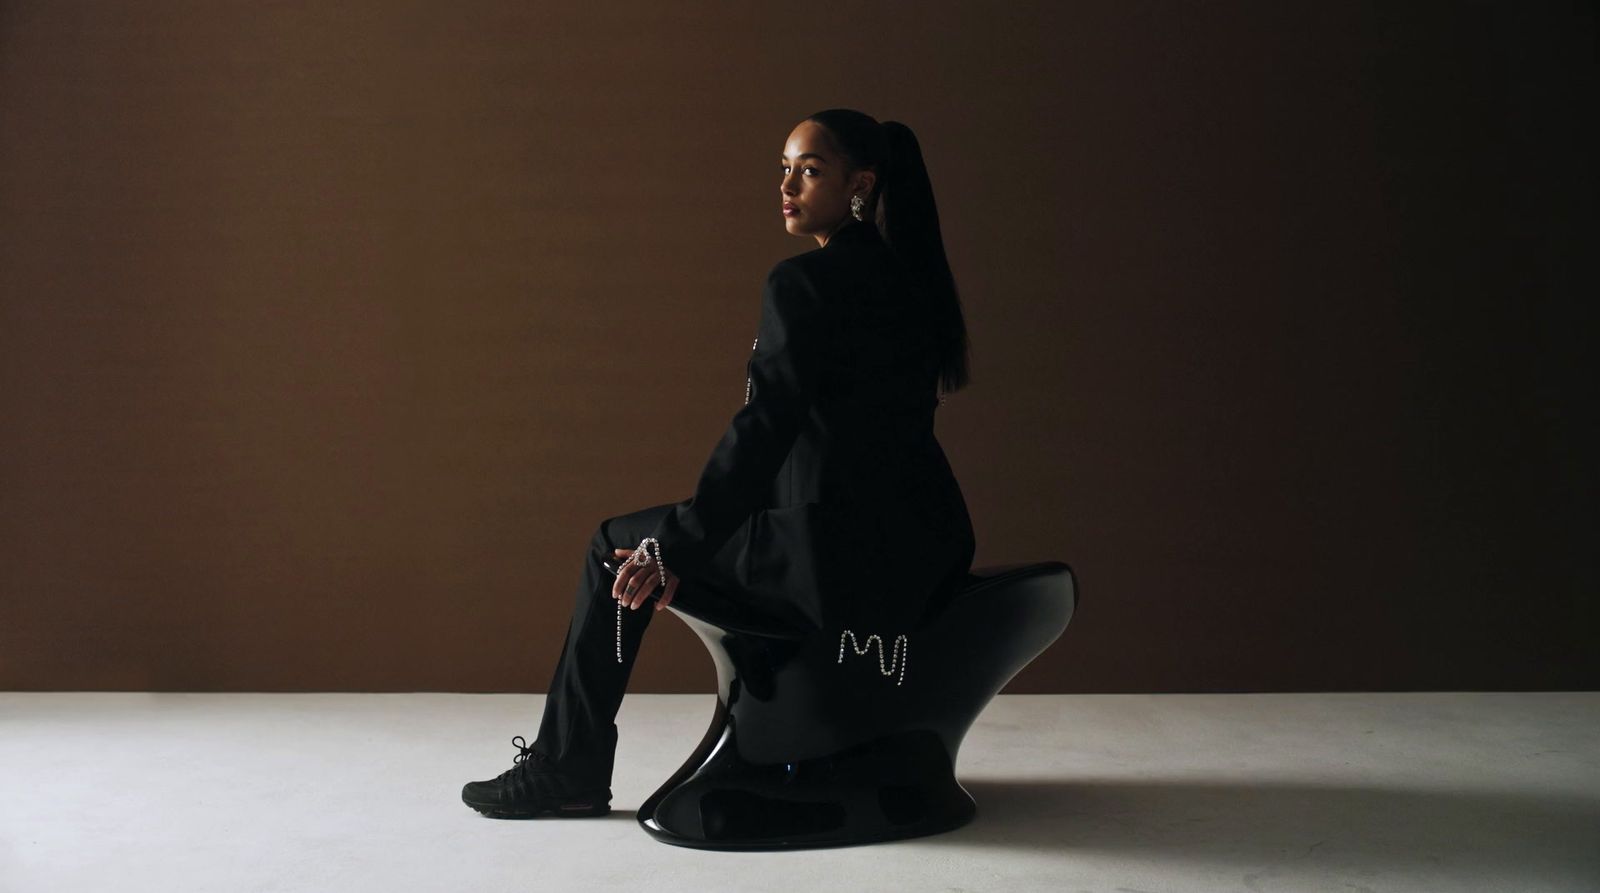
(790, 211)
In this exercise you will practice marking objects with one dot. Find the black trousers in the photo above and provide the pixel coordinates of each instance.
(578, 730)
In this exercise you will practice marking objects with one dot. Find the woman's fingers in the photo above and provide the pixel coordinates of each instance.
(634, 583)
(648, 577)
(625, 574)
(644, 578)
(631, 588)
(672, 589)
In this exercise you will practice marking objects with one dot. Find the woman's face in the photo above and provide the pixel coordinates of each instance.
(815, 190)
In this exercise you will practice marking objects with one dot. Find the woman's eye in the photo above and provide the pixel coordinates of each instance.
(808, 168)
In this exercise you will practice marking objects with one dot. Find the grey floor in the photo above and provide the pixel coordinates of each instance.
(1344, 792)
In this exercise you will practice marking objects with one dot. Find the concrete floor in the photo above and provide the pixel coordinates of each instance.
(1431, 792)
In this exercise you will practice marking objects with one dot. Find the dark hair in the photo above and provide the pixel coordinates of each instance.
(904, 212)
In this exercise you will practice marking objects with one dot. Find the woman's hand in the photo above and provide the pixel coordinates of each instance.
(635, 582)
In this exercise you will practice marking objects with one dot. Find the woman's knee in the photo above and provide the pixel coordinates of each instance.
(626, 531)
(602, 535)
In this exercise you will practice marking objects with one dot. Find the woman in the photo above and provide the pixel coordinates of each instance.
(828, 504)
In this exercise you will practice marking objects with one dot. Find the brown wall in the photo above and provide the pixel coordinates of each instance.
(328, 336)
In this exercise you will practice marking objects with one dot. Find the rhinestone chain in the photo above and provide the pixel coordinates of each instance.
(641, 556)
(902, 652)
(747, 377)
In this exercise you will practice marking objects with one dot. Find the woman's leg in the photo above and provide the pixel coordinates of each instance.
(578, 729)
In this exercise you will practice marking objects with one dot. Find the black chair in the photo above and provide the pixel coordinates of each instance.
(807, 751)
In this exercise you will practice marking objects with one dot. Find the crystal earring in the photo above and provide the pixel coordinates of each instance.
(855, 206)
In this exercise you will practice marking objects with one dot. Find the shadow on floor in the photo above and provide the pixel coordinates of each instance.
(1296, 827)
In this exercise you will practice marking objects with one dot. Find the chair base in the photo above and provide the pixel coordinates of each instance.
(891, 788)
(807, 751)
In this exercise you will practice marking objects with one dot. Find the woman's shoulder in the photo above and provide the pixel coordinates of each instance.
(838, 264)
(806, 264)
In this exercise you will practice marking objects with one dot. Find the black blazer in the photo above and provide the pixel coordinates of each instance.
(829, 500)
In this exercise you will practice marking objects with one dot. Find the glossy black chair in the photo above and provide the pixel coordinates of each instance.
(807, 751)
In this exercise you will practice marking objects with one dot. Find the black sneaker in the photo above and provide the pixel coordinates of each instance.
(535, 787)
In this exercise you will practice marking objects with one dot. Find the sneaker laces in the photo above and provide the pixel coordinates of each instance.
(526, 761)
(528, 754)
(538, 774)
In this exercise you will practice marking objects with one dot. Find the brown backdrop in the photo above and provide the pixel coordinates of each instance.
(330, 335)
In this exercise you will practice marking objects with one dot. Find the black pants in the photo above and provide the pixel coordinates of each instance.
(579, 730)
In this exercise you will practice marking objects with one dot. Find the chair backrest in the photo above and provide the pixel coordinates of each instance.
(997, 579)
(1004, 617)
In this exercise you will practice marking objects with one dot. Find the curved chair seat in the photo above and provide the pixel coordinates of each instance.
(807, 751)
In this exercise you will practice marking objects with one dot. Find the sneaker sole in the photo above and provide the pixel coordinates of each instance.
(562, 810)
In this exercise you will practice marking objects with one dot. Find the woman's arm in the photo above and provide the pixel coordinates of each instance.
(791, 342)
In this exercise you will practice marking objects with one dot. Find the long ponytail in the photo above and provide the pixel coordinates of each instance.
(905, 213)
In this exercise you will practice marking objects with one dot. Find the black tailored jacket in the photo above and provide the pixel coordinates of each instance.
(828, 501)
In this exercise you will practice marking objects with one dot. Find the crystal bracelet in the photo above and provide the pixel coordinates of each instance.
(641, 556)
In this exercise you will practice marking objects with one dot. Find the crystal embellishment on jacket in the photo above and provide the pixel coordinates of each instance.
(902, 652)
(747, 370)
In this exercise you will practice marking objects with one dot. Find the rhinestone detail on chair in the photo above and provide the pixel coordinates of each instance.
(902, 651)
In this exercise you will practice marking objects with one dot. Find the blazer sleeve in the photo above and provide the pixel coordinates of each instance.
(784, 369)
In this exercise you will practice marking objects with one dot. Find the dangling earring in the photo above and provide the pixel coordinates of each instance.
(855, 206)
